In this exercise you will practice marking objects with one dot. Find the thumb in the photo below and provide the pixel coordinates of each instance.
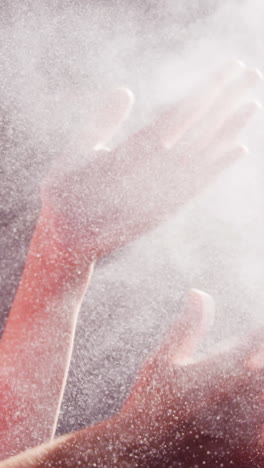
(110, 116)
(188, 332)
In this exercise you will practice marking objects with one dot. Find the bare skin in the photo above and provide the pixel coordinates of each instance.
(181, 412)
(86, 213)
(116, 196)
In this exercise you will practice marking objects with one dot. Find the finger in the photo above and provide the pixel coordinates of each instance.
(199, 310)
(195, 177)
(222, 162)
(249, 353)
(233, 125)
(228, 131)
(188, 332)
(110, 116)
(230, 96)
(197, 137)
(174, 123)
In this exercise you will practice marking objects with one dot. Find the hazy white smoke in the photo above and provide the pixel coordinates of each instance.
(57, 59)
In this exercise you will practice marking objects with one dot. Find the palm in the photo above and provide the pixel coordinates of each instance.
(120, 194)
(207, 412)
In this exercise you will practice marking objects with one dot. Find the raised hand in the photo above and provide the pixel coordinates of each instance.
(181, 412)
(116, 195)
(204, 413)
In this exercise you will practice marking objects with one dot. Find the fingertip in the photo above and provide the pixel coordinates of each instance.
(257, 105)
(127, 97)
(258, 73)
(243, 150)
(127, 92)
(110, 115)
(248, 110)
(231, 69)
(236, 153)
(198, 311)
(254, 74)
(207, 306)
(231, 156)
(101, 147)
(197, 319)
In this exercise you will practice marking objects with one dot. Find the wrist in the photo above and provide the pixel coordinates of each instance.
(76, 245)
(50, 247)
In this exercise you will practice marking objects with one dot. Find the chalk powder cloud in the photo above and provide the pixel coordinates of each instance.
(57, 59)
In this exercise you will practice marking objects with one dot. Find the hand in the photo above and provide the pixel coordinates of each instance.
(180, 412)
(206, 413)
(117, 195)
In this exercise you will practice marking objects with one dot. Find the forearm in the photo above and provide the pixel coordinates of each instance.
(114, 443)
(108, 444)
(37, 343)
